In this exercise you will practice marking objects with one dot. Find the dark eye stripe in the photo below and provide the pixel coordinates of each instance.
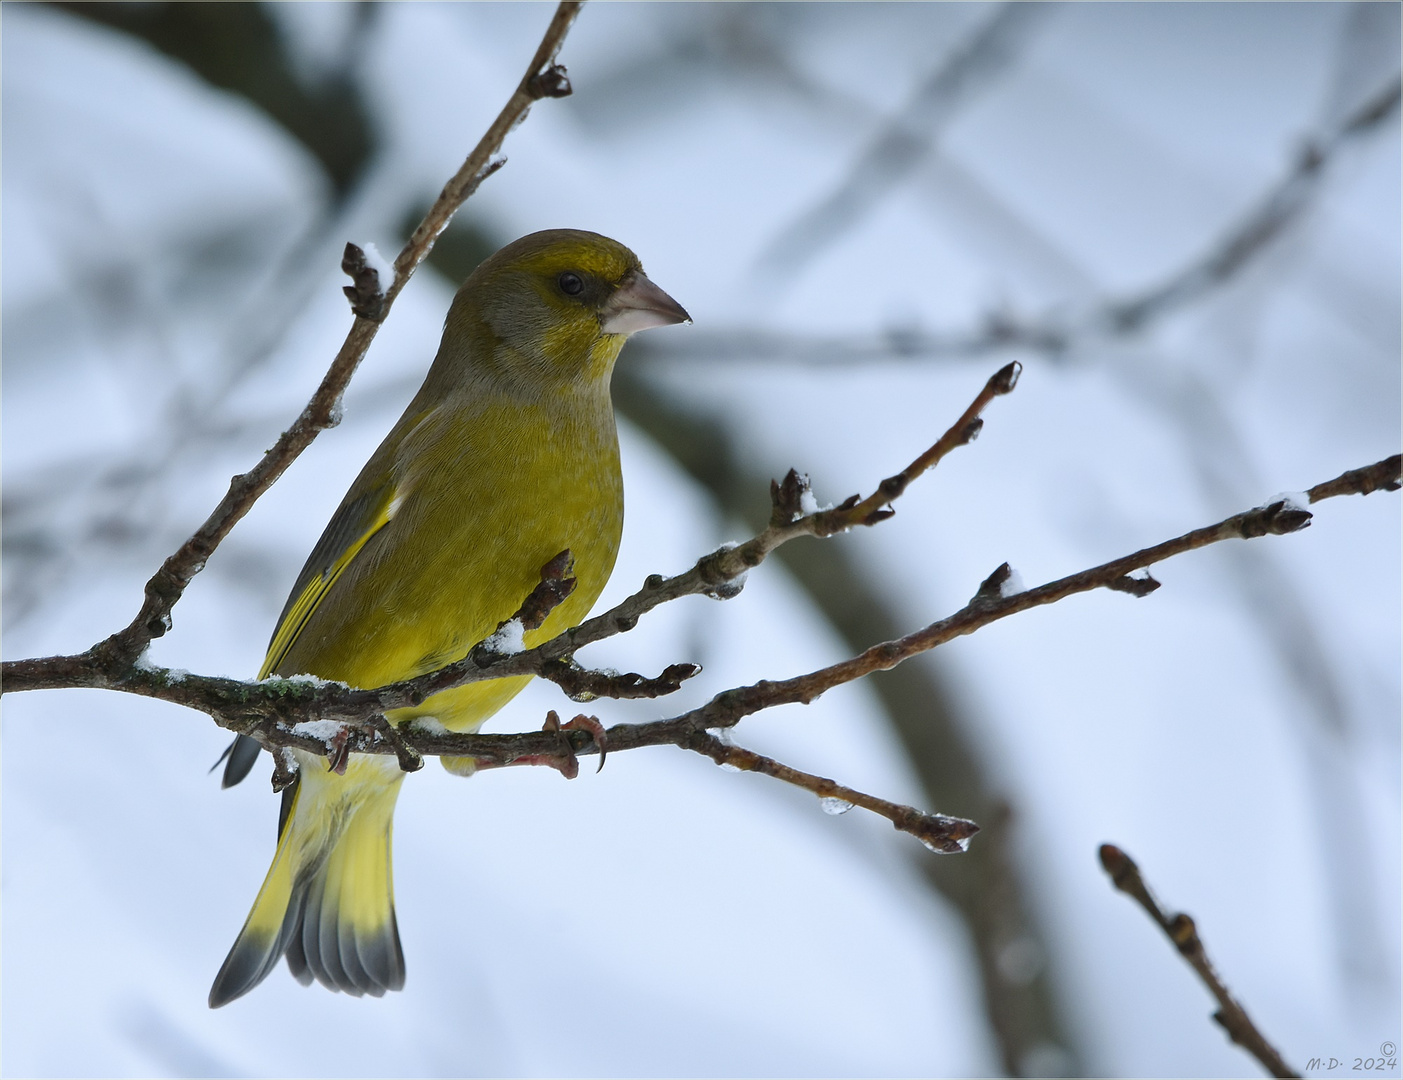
(571, 284)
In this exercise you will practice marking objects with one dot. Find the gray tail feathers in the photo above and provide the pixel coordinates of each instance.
(340, 955)
(319, 944)
(327, 904)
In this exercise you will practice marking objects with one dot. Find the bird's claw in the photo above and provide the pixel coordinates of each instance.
(567, 762)
(592, 725)
(338, 751)
(596, 732)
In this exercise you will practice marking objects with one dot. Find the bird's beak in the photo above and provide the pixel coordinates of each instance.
(639, 304)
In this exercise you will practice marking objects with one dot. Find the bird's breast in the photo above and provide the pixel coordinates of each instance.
(484, 500)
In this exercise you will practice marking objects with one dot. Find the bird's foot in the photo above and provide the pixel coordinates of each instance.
(566, 761)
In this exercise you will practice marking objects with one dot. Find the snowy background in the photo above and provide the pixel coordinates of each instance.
(850, 200)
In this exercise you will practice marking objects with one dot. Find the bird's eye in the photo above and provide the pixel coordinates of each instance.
(571, 284)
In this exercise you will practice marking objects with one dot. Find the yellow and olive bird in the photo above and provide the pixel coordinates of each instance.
(506, 456)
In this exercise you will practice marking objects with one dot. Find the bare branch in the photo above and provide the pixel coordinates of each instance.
(938, 832)
(1180, 929)
(721, 572)
(581, 684)
(322, 411)
(1381, 476)
(988, 605)
(556, 584)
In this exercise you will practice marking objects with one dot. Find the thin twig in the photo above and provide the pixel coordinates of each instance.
(938, 832)
(165, 588)
(1381, 476)
(720, 573)
(1280, 207)
(1180, 929)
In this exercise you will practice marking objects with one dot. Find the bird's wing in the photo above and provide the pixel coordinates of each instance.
(352, 525)
(366, 510)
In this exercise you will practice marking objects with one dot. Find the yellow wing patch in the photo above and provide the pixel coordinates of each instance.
(316, 581)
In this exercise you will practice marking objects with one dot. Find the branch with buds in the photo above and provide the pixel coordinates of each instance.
(1182, 931)
(287, 712)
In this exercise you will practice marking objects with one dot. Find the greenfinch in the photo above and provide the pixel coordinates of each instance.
(507, 456)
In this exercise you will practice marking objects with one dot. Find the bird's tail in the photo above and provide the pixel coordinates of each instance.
(328, 900)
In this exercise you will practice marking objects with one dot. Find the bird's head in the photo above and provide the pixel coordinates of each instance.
(557, 306)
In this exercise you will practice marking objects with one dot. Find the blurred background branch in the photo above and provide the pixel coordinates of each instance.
(904, 142)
